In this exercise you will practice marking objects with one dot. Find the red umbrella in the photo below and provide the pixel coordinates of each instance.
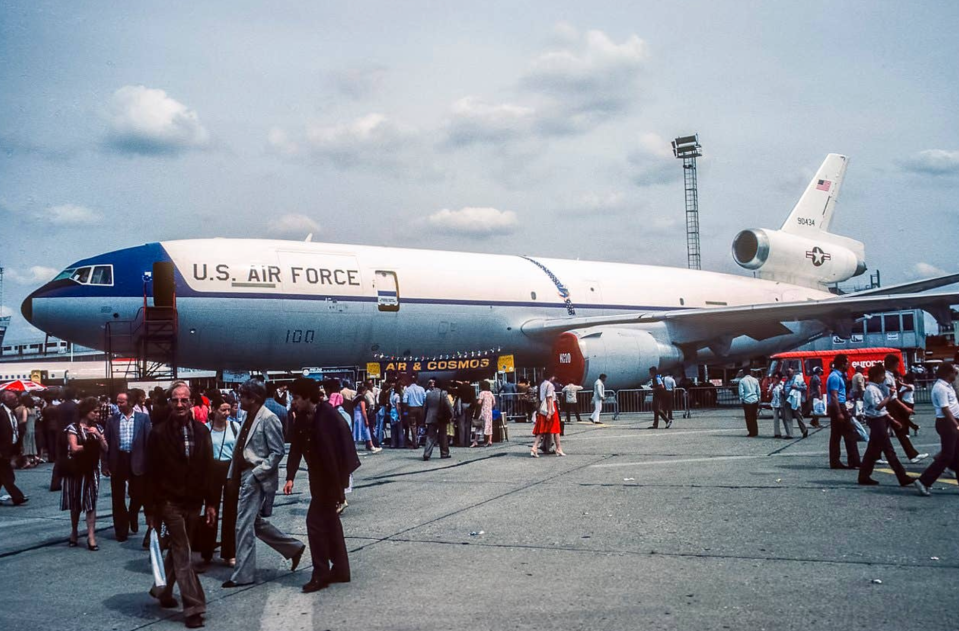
(20, 385)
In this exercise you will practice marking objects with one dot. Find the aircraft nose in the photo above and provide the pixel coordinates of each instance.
(27, 308)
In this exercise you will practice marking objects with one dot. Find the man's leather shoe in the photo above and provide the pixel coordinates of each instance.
(121, 539)
(23, 501)
(231, 583)
(315, 586)
(194, 621)
(296, 559)
(869, 482)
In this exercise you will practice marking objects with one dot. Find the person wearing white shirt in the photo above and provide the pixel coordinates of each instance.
(898, 411)
(749, 396)
(875, 398)
(570, 401)
(599, 394)
(947, 426)
(670, 383)
(776, 402)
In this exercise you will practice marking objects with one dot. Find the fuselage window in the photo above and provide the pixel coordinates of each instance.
(532, 295)
(102, 275)
(82, 275)
(65, 274)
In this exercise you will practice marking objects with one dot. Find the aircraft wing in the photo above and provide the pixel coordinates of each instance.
(703, 326)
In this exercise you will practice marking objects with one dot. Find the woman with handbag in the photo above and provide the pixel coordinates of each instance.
(795, 388)
(81, 471)
(483, 415)
(547, 418)
(223, 435)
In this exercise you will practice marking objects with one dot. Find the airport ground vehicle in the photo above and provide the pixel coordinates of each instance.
(804, 362)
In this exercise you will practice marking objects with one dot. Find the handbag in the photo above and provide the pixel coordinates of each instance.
(544, 407)
(156, 560)
(818, 406)
(862, 435)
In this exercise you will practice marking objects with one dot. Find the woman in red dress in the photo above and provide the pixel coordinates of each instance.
(547, 423)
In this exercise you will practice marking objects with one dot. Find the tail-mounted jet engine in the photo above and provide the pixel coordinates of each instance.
(802, 260)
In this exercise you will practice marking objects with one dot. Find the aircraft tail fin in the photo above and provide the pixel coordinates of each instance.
(812, 214)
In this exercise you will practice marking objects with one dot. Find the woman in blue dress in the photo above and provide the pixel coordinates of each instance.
(362, 419)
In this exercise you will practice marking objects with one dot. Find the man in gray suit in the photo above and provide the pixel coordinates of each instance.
(256, 458)
(125, 463)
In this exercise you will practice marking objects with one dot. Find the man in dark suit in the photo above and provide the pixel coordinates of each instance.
(323, 439)
(178, 484)
(438, 412)
(68, 412)
(9, 446)
(125, 463)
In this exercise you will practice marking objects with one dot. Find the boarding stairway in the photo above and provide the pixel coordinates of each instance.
(145, 348)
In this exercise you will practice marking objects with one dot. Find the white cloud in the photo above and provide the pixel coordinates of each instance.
(72, 215)
(932, 162)
(476, 222)
(591, 73)
(653, 163)
(372, 140)
(35, 275)
(293, 226)
(281, 143)
(926, 270)
(5, 312)
(474, 121)
(148, 121)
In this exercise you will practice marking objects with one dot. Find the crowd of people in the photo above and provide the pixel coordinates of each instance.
(881, 399)
(154, 448)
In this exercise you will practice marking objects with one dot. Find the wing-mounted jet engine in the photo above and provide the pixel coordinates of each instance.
(803, 251)
(623, 352)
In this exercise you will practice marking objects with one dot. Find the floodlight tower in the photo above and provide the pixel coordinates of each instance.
(687, 148)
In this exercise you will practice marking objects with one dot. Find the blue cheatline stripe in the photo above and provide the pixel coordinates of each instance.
(373, 299)
(386, 293)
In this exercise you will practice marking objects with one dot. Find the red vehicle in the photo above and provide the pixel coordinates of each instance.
(804, 362)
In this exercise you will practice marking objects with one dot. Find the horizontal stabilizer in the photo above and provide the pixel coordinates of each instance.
(911, 287)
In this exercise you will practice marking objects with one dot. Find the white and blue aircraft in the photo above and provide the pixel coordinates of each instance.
(282, 305)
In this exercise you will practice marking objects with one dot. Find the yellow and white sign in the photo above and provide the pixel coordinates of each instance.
(505, 363)
(373, 370)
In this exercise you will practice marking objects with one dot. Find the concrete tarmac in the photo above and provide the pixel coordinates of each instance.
(695, 527)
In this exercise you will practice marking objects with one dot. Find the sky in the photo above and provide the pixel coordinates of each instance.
(537, 128)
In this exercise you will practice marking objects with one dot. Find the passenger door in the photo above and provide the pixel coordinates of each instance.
(387, 287)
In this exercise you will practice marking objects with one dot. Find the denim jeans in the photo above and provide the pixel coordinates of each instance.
(380, 429)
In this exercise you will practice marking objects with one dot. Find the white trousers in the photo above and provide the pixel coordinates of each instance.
(597, 408)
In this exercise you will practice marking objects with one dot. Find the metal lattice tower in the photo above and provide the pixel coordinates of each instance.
(687, 148)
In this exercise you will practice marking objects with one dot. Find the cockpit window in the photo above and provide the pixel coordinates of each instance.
(102, 275)
(82, 275)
